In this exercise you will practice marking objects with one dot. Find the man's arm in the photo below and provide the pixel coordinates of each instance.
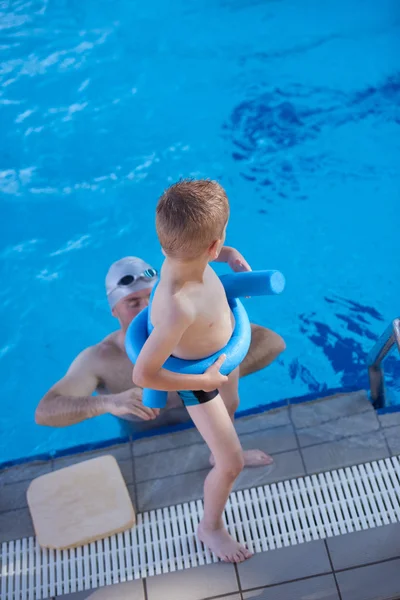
(265, 347)
(70, 400)
(148, 371)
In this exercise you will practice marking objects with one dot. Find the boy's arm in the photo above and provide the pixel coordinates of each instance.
(234, 259)
(148, 371)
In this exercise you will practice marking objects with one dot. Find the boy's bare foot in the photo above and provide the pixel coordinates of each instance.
(222, 545)
(252, 458)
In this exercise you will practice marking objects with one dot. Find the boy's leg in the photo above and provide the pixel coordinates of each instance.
(213, 422)
(229, 393)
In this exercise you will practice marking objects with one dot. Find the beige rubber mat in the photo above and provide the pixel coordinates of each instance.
(80, 504)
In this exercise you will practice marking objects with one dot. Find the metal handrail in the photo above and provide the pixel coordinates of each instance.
(375, 358)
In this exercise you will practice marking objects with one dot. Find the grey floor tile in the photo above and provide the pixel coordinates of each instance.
(170, 441)
(362, 547)
(374, 582)
(127, 471)
(349, 451)
(193, 584)
(132, 493)
(171, 490)
(172, 462)
(393, 437)
(284, 564)
(126, 465)
(194, 457)
(265, 420)
(27, 471)
(189, 486)
(131, 590)
(13, 495)
(390, 419)
(277, 439)
(75, 596)
(15, 524)
(167, 491)
(308, 414)
(336, 429)
(243, 425)
(315, 588)
(285, 466)
(120, 452)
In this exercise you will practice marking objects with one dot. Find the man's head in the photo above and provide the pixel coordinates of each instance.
(191, 219)
(129, 282)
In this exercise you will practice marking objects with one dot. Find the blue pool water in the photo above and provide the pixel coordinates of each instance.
(293, 105)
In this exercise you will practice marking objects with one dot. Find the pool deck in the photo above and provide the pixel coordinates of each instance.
(303, 438)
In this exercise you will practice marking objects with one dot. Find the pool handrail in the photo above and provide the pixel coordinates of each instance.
(375, 358)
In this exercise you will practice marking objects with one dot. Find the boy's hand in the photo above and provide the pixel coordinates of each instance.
(237, 262)
(234, 259)
(213, 379)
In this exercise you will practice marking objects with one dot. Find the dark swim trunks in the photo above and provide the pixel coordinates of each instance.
(196, 397)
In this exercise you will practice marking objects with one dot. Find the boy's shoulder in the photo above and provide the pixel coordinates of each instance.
(179, 306)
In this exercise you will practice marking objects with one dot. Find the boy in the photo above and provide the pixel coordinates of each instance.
(192, 319)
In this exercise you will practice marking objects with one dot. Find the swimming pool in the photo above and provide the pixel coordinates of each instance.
(293, 105)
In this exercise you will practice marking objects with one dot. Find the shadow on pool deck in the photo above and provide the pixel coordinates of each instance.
(303, 438)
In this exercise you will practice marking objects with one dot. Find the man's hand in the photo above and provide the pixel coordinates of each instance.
(130, 403)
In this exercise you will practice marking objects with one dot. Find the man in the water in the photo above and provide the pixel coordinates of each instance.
(106, 369)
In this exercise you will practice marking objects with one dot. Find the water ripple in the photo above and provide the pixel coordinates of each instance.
(278, 134)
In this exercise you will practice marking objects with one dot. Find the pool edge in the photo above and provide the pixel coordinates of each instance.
(187, 425)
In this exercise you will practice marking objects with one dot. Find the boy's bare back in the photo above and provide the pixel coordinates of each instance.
(211, 320)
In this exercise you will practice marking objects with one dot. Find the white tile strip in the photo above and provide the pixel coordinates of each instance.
(272, 516)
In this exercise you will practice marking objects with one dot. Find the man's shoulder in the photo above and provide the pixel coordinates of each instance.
(108, 347)
(103, 350)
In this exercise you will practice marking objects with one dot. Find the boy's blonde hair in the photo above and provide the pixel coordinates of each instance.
(190, 216)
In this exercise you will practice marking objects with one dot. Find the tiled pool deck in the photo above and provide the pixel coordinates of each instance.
(303, 438)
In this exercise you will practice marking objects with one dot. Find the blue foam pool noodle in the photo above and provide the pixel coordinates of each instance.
(251, 283)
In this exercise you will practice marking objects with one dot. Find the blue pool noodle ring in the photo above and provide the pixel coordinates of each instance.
(250, 283)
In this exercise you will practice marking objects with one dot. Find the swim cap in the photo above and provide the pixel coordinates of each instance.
(128, 275)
